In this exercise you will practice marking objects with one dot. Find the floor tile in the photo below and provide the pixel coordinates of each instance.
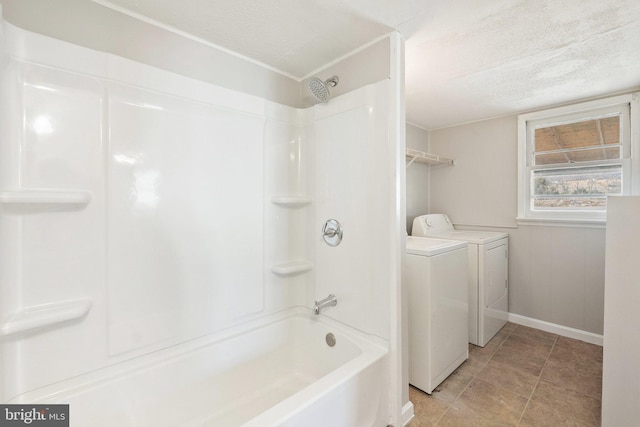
(519, 359)
(519, 382)
(491, 346)
(574, 405)
(528, 345)
(583, 379)
(450, 389)
(482, 403)
(522, 377)
(540, 415)
(473, 364)
(509, 327)
(427, 410)
(455, 419)
(575, 351)
(536, 334)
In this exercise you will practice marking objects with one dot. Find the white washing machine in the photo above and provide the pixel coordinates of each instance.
(434, 275)
(488, 273)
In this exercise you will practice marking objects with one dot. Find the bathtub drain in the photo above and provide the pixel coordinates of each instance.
(330, 339)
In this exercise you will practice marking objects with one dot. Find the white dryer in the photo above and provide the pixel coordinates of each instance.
(434, 275)
(488, 273)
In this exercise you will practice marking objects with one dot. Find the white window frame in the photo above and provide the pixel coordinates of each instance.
(630, 125)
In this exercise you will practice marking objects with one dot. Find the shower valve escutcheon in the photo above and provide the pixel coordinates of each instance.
(332, 232)
(329, 301)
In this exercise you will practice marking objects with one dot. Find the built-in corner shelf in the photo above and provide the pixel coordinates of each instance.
(292, 268)
(44, 316)
(45, 199)
(427, 158)
(291, 201)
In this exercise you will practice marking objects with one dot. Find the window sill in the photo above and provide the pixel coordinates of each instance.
(562, 222)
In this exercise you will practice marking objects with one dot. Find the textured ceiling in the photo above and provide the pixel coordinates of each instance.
(296, 37)
(501, 57)
(466, 60)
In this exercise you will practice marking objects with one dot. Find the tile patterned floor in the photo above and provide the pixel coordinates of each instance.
(522, 377)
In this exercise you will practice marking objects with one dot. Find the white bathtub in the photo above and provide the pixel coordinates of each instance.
(274, 372)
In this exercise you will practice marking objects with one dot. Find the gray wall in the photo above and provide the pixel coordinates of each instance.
(91, 25)
(556, 273)
(417, 176)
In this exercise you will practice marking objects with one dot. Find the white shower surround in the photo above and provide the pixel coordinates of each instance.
(142, 210)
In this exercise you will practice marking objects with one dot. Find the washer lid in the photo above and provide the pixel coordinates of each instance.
(427, 246)
(472, 236)
(428, 225)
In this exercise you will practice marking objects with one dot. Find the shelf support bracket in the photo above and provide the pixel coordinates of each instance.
(413, 159)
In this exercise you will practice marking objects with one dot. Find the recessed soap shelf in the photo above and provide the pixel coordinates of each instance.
(44, 199)
(292, 268)
(45, 315)
(291, 201)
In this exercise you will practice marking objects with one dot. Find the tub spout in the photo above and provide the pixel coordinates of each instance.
(329, 301)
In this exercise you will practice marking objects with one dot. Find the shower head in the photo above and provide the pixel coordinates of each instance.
(320, 89)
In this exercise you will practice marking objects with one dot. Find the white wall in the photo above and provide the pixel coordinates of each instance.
(417, 176)
(556, 274)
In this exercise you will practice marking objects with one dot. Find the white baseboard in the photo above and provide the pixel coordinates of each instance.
(407, 413)
(564, 331)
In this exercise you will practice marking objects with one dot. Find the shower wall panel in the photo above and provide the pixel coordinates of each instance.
(133, 209)
(52, 212)
(289, 206)
(184, 217)
(354, 185)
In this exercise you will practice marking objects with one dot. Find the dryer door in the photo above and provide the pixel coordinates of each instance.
(497, 280)
(496, 286)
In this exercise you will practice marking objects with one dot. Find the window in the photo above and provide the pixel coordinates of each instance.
(572, 158)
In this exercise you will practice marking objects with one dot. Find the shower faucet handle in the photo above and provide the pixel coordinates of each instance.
(332, 232)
